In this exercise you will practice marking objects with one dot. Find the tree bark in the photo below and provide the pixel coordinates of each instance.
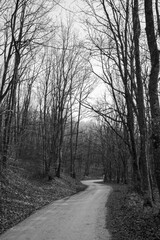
(153, 86)
(140, 104)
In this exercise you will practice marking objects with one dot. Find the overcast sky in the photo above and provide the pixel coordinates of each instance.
(72, 8)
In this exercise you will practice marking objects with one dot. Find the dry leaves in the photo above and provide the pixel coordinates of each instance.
(128, 220)
(20, 196)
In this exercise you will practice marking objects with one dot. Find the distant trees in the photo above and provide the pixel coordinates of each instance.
(113, 151)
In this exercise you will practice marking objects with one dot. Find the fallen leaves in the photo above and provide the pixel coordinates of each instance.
(20, 196)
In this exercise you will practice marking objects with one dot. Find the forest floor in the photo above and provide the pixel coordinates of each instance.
(21, 196)
(128, 219)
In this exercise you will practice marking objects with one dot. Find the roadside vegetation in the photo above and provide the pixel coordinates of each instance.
(127, 217)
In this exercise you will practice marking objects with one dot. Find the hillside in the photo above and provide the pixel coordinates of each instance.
(21, 196)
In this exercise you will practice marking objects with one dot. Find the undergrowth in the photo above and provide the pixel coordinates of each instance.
(128, 219)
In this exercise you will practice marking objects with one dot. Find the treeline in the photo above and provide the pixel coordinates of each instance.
(124, 39)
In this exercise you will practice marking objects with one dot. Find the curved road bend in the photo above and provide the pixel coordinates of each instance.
(79, 217)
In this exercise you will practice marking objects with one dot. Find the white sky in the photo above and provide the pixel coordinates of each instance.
(72, 8)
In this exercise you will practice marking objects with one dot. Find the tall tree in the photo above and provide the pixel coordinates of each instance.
(143, 158)
(114, 30)
(153, 84)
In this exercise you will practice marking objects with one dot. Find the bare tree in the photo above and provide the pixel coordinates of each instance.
(153, 83)
(24, 23)
(114, 30)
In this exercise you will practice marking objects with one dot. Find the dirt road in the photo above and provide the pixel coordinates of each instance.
(81, 216)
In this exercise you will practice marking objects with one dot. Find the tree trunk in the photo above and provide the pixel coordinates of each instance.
(153, 87)
(143, 159)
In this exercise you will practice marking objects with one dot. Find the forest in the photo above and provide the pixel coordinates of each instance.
(50, 125)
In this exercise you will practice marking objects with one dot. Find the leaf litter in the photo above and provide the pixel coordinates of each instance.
(21, 196)
(128, 219)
